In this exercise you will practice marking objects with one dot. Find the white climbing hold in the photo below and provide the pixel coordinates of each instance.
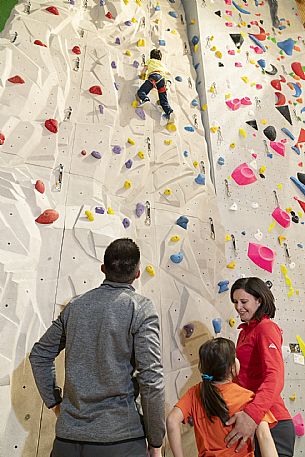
(254, 205)
(258, 235)
(253, 164)
(233, 207)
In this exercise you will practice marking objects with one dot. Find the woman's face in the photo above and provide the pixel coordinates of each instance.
(245, 304)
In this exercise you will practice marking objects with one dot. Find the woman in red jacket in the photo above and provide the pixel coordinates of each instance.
(259, 350)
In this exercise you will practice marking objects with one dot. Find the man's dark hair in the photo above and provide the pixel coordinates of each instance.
(156, 54)
(259, 289)
(121, 260)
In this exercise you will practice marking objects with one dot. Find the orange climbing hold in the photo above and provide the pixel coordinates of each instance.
(97, 90)
(47, 217)
(16, 80)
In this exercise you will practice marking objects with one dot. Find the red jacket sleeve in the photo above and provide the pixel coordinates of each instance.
(269, 344)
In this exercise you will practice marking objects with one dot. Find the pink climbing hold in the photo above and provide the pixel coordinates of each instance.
(281, 217)
(53, 10)
(16, 80)
(76, 50)
(233, 104)
(39, 186)
(298, 70)
(40, 43)
(47, 217)
(51, 125)
(278, 147)
(243, 175)
(298, 423)
(262, 256)
(246, 101)
(97, 90)
(2, 139)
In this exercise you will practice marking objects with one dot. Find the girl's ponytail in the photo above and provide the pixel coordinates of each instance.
(213, 401)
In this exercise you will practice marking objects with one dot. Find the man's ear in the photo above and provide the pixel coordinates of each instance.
(138, 274)
(103, 269)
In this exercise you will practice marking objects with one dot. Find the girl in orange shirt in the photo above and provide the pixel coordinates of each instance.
(211, 403)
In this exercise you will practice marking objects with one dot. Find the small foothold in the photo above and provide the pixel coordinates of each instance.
(223, 286)
(232, 322)
(189, 128)
(293, 397)
(127, 184)
(99, 210)
(233, 207)
(2, 139)
(177, 258)
(16, 80)
(195, 40)
(89, 215)
(178, 78)
(258, 235)
(113, 64)
(109, 15)
(217, 325)
(83, 152)
(39, 186)
(131, 141)
(76, 50)
(110, 211)
(51, 125)
(140, 208)
(47, 217)
(126, 222)
(117, 40)
(221, 161)
(242, 133)
(231, 265)
(40, 43)
(116, 149)
(175, 238)
(96, 154)
(185, 153)
(53, 10)
(141, 154)
(150, 270)
(200, 179)
(243, 232)
(182, 221)
(167, 192)
(189, 330)
(135, 64)
(96, 90)
(128, 163)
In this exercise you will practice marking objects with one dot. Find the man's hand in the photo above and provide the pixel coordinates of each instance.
(154, 452)
(244, 429)
(56, 410)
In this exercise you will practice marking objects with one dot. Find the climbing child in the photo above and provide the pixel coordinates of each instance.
(211, 403)
(154, 71)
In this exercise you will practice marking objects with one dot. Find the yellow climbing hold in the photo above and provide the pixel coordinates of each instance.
(168, 142)
(214, 129)
(131, 141)
(301, 344)
(126, 2)
(133, 20)
(218, 54)
(300, 214)
(110, 210)
(138, 2)
(196, 46)
(228, 237)
(150, 270)
(264, 121)
(232, 146)
(167, 191)
(175, 238)
(231, 265)
(281, 238)
(141, 42)
(252, 61)
(232, 322)
(245, 79)
(127, 52)
(252, 84)
(293, 396)
(243, 133)
(127, 184)
(195, 163)
(89, 215)
(141, 154)
(171, 127)
(204, 107)
(213, 48)
(280, 186)
(193, 21)
(289, 209)
(212, 89)
(262, 169)
(227, 96)
(271, 226)
(134, 104)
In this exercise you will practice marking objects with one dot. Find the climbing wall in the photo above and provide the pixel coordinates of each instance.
(254, 111)
(81, 165)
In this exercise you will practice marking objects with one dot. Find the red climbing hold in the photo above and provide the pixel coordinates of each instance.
(39, 186)
(2, 139)
(16, 80)
(97, 90)
(109, 15)
(47, 217)
(40, 43)
(51, 125)
(281, 99)
(276, 84)
(53, 10)
(302, 204)
(298, 70)
(76, 50)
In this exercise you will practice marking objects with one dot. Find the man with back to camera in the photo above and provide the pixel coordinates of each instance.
(108, 333)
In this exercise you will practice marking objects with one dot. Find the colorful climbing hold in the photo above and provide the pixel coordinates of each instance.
(96, 90)
(182, 221)
(47, 217)
(16, 80)
(150, 270)
(51, 125)
(39, 186)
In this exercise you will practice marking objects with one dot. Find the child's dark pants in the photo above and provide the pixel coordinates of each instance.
(155, 80)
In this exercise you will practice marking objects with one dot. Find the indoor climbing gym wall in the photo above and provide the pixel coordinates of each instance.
(252, 60)
(81, 165)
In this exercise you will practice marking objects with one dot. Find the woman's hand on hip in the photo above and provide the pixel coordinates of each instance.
(244, 428)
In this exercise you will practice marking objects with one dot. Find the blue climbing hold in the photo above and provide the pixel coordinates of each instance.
(182, 221)
(299, 185)
(288, 133)
(173, 14)
(117, 40)
(196, 65)
(223, 286)
(200, 179)
(296, 149)
(177, 258)
(262, 63)
(195, 40)
(221, 161)
(178, 78)
(128, 164)
(126, 222)
(96, 154)
(117, 149)
(128, 23)
(240, 9)
(195, 102)
(256, 41)
(158, 8)
(217, 325)
(135, 64)
(162, 43)
(287, 46)
(141, 113)
(185, 153)
(189, 128)
(99, 210)
(113, 64)
(300, 245)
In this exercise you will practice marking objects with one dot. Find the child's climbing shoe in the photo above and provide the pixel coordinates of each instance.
(141, 102)
(164, 119)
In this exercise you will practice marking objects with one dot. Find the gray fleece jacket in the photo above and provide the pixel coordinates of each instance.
(111, 338)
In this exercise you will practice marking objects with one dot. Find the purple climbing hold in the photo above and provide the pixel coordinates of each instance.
(113, 64)
(189, 330)
(117, 149)
(101, 108)
(126, 222)
(99, 210)
(128, 23)
(135, 64)
(140, 208)
(117, 40)
(96, 154)
(141, 113)
(128, 164)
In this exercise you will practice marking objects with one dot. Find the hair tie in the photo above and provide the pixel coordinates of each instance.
(207, 377)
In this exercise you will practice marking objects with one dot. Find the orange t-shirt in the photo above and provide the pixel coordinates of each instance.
(210, 436)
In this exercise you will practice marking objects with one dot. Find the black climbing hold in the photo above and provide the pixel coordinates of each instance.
(252, 124)
(262, 176)
(237, 39)
(269, 284)
(189, 330)
(301, 177)
(284, 110)
(270, 132)
(218, 13)
(220, 64)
